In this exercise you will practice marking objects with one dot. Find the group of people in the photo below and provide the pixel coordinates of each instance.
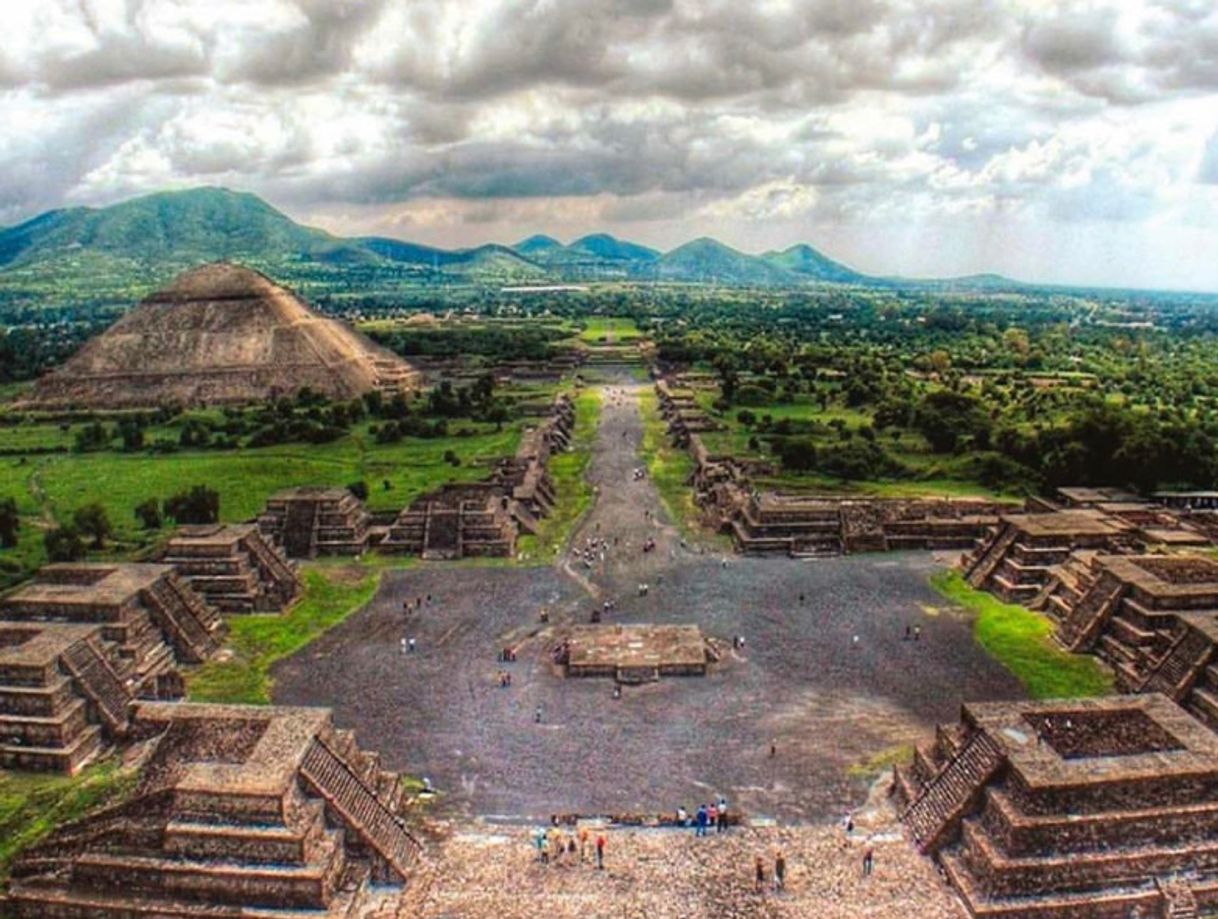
(705, 817)
(594, 550)
(558, 848)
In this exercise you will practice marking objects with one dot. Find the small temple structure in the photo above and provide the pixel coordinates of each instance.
(234, 567)
(1100, 808)
(236, 811)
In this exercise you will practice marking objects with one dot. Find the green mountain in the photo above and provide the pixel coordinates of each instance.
(539, 244)
(807, 262)
(709, 261)
(186, 227)
(604, 246)
(85, 257)
(482, 261)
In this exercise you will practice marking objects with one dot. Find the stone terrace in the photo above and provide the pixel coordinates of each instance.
(635, 653)
(1153, 618)
(1096, 808)
(152, 617)
(239, 810)
(234, 567)
(308, 521)
(1016, 558)
(61, 699)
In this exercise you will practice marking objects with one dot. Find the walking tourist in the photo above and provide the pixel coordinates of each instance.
(537, 715)
(868, 861)
(700, 821)
(721, 810)
(410, 645)
(780, 871)
(600, 851)
(583, 844)
(758, 874)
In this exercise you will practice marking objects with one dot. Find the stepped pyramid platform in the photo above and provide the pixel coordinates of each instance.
(773, 522)
(635, 653)
(310, 521)
(1100, 808)
(61, 698)
(1015, 558)
(1153, 618)
(152, 617)
(457, 521)
(234, 567)
(238, 811)
(220, 334)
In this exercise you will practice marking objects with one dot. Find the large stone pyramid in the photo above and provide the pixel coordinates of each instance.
(220, 334)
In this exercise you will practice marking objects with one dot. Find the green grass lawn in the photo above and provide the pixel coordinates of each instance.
(332, 592)
(1019, 639)
(568, 470)
(57, 484)
(34, 803)
(670, 469)
(611, 329)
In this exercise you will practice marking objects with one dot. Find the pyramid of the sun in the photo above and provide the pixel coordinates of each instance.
(220, 333)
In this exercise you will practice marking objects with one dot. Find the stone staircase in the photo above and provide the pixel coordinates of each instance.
(360, 808)
(191, 626)
(100, 684)
(1085, 622)
(990, 558)
(1179, 901)
(946, 798)
(1176, 672)
(299, 529)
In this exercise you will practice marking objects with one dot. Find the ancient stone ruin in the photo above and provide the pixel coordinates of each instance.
(1154, 619)
(78, 643)
(308, 522)
(458, 520)
(235, 568)
(238, 811)
(801, 525)
(62, 698)
(635, 653)
(1015, 560)
(811, 525)
(1098, 808)
(151, 616)
(220, 334)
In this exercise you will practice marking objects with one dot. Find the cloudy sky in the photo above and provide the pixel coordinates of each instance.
(1059, 140)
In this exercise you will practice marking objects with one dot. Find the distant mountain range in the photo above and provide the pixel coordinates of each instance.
(136, 243)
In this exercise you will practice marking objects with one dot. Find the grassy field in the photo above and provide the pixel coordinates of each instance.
(33, 803)
(53, 486)
(929, 474)
(574, 493)
(670, 469)
(609, 329)
(1019, 639)
(333, 591)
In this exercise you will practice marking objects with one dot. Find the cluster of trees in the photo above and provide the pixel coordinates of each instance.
(91, 526)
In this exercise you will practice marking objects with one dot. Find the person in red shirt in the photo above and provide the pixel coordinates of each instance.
(600, 851)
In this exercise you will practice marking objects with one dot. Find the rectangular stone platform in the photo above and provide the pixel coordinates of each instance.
(636, 653)
(247, 810)
(1069, 808)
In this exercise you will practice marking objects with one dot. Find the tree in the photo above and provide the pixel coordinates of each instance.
(92, 437)
(64, 544)
(149, 514)
(198, 505)
(10, 523)
(93, 521)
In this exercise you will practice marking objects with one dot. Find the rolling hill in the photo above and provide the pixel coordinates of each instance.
(85, 257)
